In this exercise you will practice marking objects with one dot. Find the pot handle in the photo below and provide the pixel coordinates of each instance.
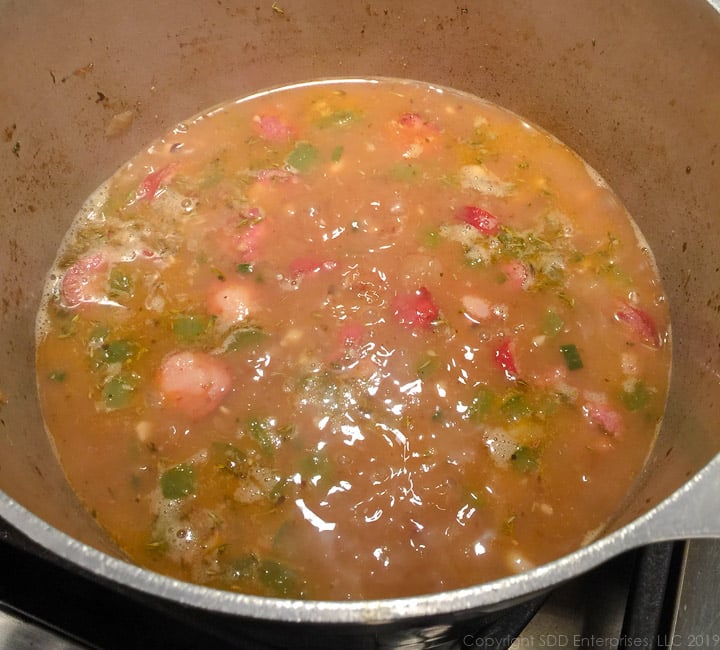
(690, 512)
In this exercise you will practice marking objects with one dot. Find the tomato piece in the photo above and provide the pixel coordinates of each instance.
(273, 128)
(411, 119)
(416, 310)
(347, 342)
(603, 416)
(416, 122)
(414, 135)
(305, 265)
(505, 359)
(268, 176)
(640, 324)
(151, 184)
(480, 219)
(351, 334)
(242, 236)
(517, 274)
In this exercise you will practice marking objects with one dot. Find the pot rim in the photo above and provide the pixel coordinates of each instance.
(683, 514)
(671, 519)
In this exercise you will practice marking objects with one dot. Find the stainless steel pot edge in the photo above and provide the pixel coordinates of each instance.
(684, 514)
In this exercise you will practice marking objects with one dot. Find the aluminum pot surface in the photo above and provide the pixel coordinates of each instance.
(631, 85)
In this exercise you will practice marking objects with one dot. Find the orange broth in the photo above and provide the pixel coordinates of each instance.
(353, 339)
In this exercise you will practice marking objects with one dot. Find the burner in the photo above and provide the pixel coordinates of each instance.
(627, 602)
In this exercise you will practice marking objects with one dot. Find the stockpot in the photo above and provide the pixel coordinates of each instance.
(632, 85)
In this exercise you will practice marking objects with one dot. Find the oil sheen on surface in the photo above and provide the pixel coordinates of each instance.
(353, 339)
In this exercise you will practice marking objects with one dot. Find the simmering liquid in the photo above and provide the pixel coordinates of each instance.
(352, 339)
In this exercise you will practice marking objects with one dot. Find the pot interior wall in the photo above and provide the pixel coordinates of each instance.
(631, 85)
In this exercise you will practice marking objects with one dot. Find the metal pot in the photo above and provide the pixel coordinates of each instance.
(631, 85)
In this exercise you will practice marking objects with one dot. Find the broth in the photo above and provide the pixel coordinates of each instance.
(353, 339)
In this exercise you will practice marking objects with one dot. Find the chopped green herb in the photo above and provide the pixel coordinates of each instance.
(245, 268)
(337, 153)
(157, 546)
(216, 520)
(244, 567)
(303, 157)
(429, 363)
(518, 246)
(572, 356)
(508, 526)
(612, 270)
(432, 238)
(337, 118)
(278, 578)
(228, 458)
(450, 180)
(246, 337)
(214, 174)
(481, 404)
(550, 275)
(567, 299)
(116, 201)
(189, 327)
(552, 323)
(58, 375)
(316, 466)
(218, 274)
(547, 404)
(608, 250)
(116, 351)
(284, 541)
(286, 431)
(637, 398)
(277, 493)
(99, 333)
(267, 434)
(261, 432)
(118, 391)
(515, 407)
(545, 261)
(120, 282)
(525, 459)
(405, 172)
(68, 329)
(178, 482)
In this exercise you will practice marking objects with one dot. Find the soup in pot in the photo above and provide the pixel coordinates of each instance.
(353, 339)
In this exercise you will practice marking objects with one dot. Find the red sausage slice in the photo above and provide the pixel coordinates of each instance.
(194, 383)
(85, 281)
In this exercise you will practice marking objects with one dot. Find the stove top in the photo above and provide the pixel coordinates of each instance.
(659, 597)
